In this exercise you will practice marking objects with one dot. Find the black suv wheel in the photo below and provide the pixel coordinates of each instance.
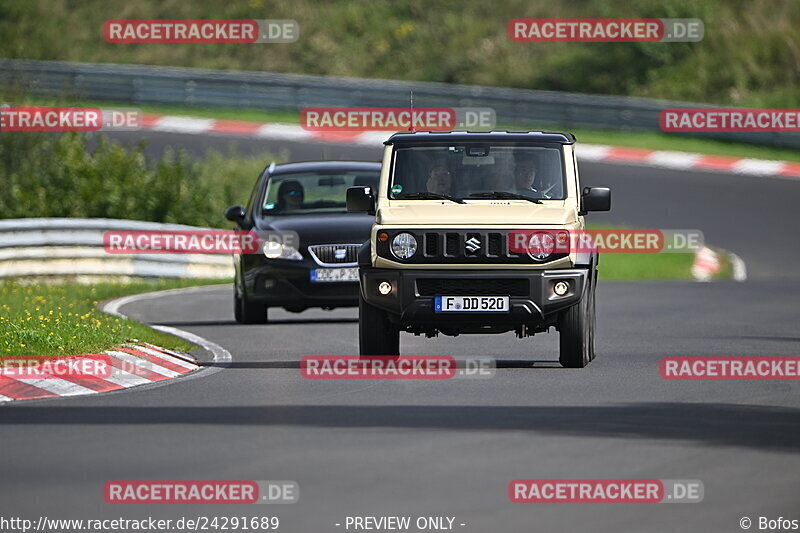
(376, 334)
(576, 330)
(247, 312)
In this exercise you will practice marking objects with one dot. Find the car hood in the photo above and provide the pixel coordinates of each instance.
(495, 212)
(344, 228)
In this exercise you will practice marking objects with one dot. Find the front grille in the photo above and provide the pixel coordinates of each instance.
(461, 246)
(334, 254)
(451, 246)
(495, 245)
(431, 244)
(473, 287)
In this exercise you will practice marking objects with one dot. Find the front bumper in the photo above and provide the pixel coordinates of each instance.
(288, 284)
(532, 301)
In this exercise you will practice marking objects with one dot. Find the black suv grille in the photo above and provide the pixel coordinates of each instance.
(333, 254)
(473, 287)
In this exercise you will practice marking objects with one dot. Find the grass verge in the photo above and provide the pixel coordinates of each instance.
(62, 319)
(645, 267)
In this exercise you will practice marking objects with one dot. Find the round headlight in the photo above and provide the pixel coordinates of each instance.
(272, 249)
(404, 245)
(541, 246)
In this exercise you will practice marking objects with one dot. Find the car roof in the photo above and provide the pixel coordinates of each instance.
(533, 137)
(329, 166)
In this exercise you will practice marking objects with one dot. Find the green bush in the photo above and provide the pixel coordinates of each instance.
(79, 175)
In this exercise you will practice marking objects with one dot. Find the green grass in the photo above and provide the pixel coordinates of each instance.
(651, 266)
(62, 319)
(645, 267)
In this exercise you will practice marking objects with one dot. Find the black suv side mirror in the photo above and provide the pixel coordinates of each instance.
(360, 200)
(595, 199)
(235, 214)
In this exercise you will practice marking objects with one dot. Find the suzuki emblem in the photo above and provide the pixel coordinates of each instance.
(473, 244)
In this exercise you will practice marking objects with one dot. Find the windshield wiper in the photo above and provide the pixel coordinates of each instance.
(504, 196)
(429, 196)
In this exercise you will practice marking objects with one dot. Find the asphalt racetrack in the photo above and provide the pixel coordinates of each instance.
(450, 448)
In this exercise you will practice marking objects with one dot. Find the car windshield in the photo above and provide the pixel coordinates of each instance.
(313, 192)
(478, 171)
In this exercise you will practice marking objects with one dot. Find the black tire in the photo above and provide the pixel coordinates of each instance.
(593, 318)
(247, 312)
(576, 331)
(376, 334)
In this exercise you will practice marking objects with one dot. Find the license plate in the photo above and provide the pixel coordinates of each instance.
(319, 275)
(481, 304)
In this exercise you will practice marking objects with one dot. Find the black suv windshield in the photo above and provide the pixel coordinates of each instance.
(478, 172)
(313, 192)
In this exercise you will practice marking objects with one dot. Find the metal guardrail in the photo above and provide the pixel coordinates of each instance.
(73, 247)
(191, 87)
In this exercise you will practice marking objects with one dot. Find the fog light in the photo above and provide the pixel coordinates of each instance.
(384, 287)
(561, 288)
(269, 284)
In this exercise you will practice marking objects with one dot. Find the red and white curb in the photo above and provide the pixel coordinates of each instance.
(586, 152)
(133, 364)
(707, 264)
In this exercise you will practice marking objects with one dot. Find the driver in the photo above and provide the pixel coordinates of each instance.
(525, 180)
(440, 181)
(290, 195)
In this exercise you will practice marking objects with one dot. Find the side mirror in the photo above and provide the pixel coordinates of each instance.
(235, 214)
(360, 200)
(595, 199)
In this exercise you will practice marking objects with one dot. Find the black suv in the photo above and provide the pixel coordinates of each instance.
(320, 267)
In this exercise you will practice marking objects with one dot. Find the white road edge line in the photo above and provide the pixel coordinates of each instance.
(738, 266)
(182, 361)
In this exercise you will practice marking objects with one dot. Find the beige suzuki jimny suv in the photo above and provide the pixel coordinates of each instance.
(467, 237)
